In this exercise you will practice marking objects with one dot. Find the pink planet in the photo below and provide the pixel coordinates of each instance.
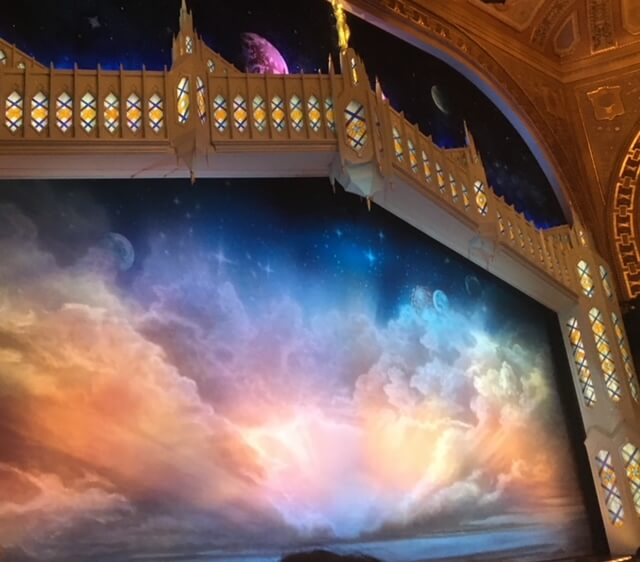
(261, 57)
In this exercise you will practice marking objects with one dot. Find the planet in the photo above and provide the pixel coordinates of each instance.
(440, 301)
(261, 57)
(421, 298)
(120, 249)
(472, 286)
(438, 97)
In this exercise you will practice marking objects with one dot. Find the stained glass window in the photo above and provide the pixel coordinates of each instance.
(631, 457)
(184, 100)
(581, 363)
(512, 236)
(220, 113)
(211, 66)
(329, 114)
(606, 285)
(608, 481)
(626, 358)
(13, 111)
(188, 44)
(278, 114)
(583, 240)
(64, 112)
(201, 99)
(440, 177)
(521, 238)
(39, 111)
(3, 57)
(604, 352)
(453, 187)
(88, 112)
(501, 223)
(240, 114)
(156, 113)
(397, 145)
(21, 65)
(259, 113)
(481, 199)
(354, 72)
(465, 196)
(134, 112)
(356, 125)
(111, 112)
(586, 281)
(296, 113)
(314, 113)
(426, 167)
(413, 157)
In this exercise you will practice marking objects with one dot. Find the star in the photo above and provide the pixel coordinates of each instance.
(94, 22)
(381, 235)
(339, 233)
(221, 258)
(370, 256)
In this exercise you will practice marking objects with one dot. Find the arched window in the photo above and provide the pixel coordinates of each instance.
(64, 112)
(188, 44)
(220, 113)
(465, 196)
(156, 113)
(608, 481)
(201, 99)
(111, 113)
(356, 125)
(278, 115)
(314, 114)
(606, 285)
(3, 57)
(501, 226)
(211, 66)
(631, 457)
(259, 113)
(413, 157)
(354, 72)
(604, 352)
(330, 115)
(440, 177)
(183, 100)
(39, 112)
(453, 187)
(626, 357)
(296, 113)
(580, 360)
(585, 279)
(397, 145)
(426, 167)
(14, 111)
(134, 112)
(240, 114)
(88, 112)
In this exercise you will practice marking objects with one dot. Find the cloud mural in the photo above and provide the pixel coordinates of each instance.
(225, 402)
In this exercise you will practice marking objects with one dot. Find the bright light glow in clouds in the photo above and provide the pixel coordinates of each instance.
(260, 403)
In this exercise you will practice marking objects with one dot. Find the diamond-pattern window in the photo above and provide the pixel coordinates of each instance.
(413, 156)
(481, 198)
(440, 178)
(314, 114)
(111, 113)
(134, 112)
(156, 113)
(608, 481)
(330, 114)
(278, 115)
(220, 113)
(426, 167)
(211, 66)
(188, 44)
(626, 357)
(631, 458)
(604, 353)
(606, 284)
(14, 113)
(356, 125)
(183, 100)
(586, 281)
(296, 113)
(201, 99)
(39, 111)
(259, 113)
(64, 112)
(581, 363)
(240, 114)
(398, 148)
(88, 112)
(3, 57)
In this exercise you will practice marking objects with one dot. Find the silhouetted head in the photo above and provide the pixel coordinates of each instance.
(326, 556)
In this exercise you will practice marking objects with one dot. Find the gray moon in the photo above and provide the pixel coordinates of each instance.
(440, 301)
(121, 249)
(439, 99)
(261, 57)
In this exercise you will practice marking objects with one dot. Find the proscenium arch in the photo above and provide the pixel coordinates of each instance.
(462, 53)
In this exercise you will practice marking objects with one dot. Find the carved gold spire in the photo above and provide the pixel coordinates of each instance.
(344, 33)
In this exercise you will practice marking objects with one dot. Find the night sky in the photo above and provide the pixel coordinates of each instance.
(139, 32)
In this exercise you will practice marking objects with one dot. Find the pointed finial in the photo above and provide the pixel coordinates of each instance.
(344, 33)
(183, 8)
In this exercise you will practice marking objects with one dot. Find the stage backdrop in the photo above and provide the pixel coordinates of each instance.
(238, 369)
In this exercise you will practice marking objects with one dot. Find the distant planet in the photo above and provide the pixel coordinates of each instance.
(438, 97)
(440, 301)
(472, 286)
(261, 57)
(121, 249)
(421, 298)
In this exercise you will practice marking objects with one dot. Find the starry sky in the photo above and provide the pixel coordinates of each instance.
(139, 32)
(247, 367)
